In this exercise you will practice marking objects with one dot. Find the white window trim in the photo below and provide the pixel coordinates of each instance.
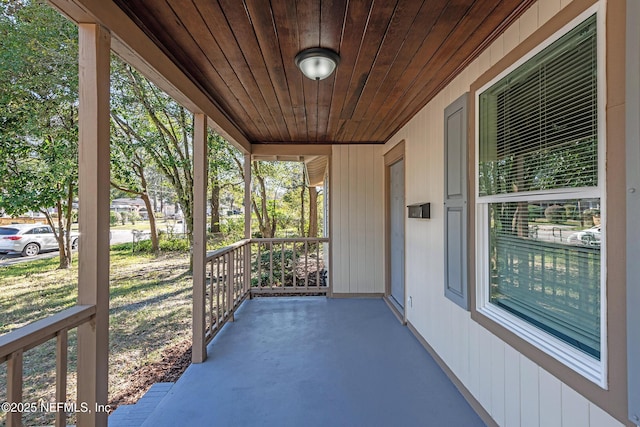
(587, 366)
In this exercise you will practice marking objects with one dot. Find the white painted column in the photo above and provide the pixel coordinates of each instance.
(200, 166)
(93, 196)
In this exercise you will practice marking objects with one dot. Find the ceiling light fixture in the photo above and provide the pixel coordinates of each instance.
(317, 63)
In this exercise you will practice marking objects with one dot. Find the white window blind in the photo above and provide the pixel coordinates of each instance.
(538, 131)
(538, 125)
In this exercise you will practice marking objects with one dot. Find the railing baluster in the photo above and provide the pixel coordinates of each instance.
(259, 261)
(306, 264)
(294, 265)
(317, 243)
(62, 351)
(271, 264)
(247, 267)
(230, 285)
(218, 293)
(14, 387)
(282, 265)
(237, 274)
(211, 319)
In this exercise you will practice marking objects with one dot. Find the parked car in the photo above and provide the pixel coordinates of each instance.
(30, 239)
(588, 237)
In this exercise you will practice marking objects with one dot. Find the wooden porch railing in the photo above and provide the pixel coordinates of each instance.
(14, 344)
(260, 266)
(288, 266)
(226, 283)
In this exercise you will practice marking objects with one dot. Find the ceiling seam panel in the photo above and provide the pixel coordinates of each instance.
(266, 35)
(395, 35)
(353, 27)
(283, 12)
(225, 35)
(427, 17)
(215, 55)
(439, 33)
(467, 28)
(212, 73)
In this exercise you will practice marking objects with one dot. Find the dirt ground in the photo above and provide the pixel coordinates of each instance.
(174, 362)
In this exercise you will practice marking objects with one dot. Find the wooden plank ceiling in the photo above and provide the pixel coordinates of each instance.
(395, 55)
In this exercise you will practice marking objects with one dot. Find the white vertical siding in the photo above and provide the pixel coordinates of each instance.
(512, 389)
(357, 219)
(550, 399)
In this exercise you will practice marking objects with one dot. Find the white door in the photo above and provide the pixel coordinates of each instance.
(396, 219)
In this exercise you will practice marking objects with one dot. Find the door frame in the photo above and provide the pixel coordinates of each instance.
(391, 157)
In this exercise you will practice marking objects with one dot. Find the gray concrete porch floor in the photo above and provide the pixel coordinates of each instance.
(314, 362)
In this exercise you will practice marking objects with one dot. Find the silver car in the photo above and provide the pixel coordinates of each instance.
(30, 239)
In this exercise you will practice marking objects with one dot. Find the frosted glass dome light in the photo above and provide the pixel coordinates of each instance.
(317, 63)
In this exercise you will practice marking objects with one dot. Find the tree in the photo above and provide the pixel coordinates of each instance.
(222, 174)
(128, 165)
(163, 130)
(129, 159)
(38, 116)
(313, 212)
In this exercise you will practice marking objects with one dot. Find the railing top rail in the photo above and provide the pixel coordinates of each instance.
(292, 240)
(226, 249)
(36, 333)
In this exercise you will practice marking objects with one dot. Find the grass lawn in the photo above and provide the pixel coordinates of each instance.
(150, 312)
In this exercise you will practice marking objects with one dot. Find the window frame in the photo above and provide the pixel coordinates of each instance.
(587, 366)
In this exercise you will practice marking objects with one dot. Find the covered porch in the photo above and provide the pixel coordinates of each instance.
(310, 361)
(406, 91)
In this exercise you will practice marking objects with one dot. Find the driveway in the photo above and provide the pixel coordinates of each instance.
(117, 236)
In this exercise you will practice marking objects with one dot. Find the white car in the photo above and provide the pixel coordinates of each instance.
(30, 239)
(588, 237)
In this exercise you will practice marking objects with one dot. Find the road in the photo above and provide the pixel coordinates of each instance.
(117, 236)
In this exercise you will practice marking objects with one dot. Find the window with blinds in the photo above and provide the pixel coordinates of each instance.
(538, 125)
(538, 132)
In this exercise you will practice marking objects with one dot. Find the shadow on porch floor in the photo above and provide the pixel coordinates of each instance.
(314, 362)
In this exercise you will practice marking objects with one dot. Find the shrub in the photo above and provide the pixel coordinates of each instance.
(535, 212)
(133, 217)
(571, 211)
(555, 213)
(165, 243)
(114, 218)
(123, 217)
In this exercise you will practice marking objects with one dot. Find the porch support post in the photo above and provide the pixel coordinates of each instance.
(200, 166)
(247, 196)
(247, 222)
(93, 196)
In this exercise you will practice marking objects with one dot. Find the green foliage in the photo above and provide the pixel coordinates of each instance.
(38, 111)
(133, 217)
(571, 212)
(151, 128)
(114, 218)
(535, 212)
(166, 244)
(555, 214)
(124, 216)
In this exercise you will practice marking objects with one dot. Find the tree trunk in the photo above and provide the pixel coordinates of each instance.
(313, 212)
(155, 245)
(214, 202)
(64, 240)
(302, 224)
(267, 225)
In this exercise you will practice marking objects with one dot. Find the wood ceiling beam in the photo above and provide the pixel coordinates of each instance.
(132, 45)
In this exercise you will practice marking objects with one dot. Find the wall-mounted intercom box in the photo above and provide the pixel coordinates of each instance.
(420, 210)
